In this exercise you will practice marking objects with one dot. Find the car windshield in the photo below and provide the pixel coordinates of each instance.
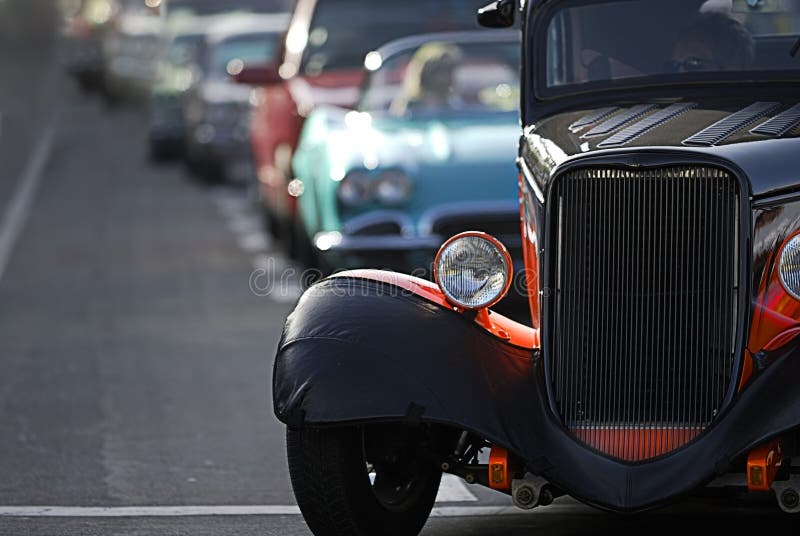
(636, 42)
(231, 55)
(445, 77)
(216, 7)
(343, 31)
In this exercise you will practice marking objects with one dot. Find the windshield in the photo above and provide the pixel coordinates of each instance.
(230, 56)
(217, 7)
(634, 42)
(343, 31)
(442, 77)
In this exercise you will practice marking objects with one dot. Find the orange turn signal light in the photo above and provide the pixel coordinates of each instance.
(499, 478)
(762, 465)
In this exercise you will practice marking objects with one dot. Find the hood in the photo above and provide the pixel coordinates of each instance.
(762, 138)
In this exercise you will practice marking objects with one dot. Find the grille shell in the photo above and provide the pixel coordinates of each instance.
(645, 316)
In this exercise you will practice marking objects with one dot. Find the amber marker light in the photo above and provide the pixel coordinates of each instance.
(474, 270)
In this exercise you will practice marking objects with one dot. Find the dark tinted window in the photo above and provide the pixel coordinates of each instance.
(230, 56)
(213, 7)
(343, 31)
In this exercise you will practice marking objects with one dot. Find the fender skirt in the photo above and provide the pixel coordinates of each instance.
(358, 349)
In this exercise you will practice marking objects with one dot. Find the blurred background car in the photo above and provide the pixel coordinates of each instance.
(199, 8)
(176, 71)
(218, 109)
(428, 153)
(130, 48)
(321, 64)
(81, 42)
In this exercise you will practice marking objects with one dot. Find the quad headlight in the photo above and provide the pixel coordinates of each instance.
(789, 267)
(392, 188)
(474, 270)
(356, 189)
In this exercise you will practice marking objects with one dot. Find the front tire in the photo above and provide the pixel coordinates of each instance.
(360, 481)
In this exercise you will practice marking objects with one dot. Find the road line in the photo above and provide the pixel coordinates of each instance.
(266, 510)
(453, 489)
(18, 209)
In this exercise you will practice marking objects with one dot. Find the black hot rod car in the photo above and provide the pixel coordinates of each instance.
(660, 214)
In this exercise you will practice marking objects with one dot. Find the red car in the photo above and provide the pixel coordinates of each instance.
(321, 63)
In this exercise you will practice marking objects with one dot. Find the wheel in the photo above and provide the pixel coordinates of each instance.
(362, 481)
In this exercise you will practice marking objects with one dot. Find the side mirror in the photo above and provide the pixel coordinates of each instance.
(499, 14)
(259, 75)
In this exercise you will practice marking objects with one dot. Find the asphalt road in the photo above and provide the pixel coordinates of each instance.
(135, 357)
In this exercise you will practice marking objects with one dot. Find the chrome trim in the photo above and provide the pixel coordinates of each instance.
(526, 172)
(386, 243)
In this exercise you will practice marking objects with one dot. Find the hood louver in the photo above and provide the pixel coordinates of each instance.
(650, 122)
(593, 117)
(779, 125)
(728, 126)
(617, 121)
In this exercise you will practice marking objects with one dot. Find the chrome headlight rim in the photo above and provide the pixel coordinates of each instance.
(790, 281)
(508, 269)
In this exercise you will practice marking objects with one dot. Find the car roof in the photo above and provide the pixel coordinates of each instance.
(415, 41)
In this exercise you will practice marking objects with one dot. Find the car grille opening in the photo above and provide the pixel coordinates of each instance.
(646, 291)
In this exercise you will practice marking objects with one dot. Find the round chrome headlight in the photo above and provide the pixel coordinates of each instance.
(393, 188)
(789, 267)
(356, 189)
(474, 270)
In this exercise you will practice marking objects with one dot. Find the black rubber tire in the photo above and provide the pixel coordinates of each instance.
(334, 492)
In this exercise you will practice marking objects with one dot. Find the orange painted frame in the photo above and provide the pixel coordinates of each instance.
(496, 324)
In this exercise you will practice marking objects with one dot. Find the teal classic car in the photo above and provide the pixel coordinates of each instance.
(427, 153)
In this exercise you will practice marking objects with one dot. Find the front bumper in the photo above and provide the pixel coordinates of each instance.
(345, 358)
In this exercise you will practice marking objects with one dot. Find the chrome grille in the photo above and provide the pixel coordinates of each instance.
(645, 306)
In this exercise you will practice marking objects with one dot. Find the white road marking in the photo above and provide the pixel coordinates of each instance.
(16, 213)
(453, 489)
(267, 510)
(253, 242)
(275, 276)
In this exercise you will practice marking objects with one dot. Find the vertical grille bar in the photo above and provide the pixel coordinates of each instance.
(646, 294)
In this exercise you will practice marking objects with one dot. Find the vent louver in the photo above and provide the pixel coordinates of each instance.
(650, 122)
(613, 123)
(728, 126)
(780, 124)
(592, 117)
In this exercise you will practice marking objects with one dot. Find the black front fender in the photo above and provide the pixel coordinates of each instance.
(356, 350)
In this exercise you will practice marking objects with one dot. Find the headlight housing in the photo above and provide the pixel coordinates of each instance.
(393, 188)
(355, 189)
(390, 188)
(474, 270)
(789, 267)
